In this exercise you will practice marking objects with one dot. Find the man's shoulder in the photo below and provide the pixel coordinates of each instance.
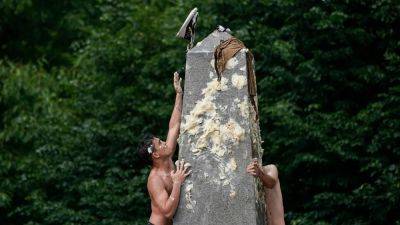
(270, 167)
(154, 179)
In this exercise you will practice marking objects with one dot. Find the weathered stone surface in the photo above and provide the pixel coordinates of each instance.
(219, 137)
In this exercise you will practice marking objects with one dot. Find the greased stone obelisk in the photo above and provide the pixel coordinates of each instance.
(219, 137)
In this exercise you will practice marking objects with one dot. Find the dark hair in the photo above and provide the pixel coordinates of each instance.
(145, 143)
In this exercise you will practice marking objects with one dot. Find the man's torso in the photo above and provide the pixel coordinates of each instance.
(156, 215)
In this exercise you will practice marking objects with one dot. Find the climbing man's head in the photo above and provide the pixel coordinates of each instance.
(152, 148)
(146, 149)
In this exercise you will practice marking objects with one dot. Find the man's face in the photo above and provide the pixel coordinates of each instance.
(160, 147)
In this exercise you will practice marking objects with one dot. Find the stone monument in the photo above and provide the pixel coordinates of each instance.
(219, 137)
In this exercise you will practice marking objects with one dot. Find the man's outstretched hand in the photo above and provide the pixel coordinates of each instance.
(177, 83)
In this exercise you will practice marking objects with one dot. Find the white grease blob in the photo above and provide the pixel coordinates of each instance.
(244, 108)
(232, 164)
(193, 119)
(188, 196)
(211, 75)
(232, 131)
(212, 63)
(238, 81)
(232, 194)
(189, 187)
(226, 182)
(232, 62)
(222, 174)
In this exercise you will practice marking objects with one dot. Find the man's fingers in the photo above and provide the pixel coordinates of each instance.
(185, 168)
(187, 174)
(251, 173)
(178, 168)
(176, 164)
(182, 163)
(252, 170)
(179, 165)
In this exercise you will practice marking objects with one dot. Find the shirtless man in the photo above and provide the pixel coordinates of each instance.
(273, 195)
(164, 183)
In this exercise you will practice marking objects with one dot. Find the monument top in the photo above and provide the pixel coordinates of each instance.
(209, 43)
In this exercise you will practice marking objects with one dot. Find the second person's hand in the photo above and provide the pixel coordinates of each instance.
(254, 169)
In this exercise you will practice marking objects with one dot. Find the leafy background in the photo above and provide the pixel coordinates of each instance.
(81, 80)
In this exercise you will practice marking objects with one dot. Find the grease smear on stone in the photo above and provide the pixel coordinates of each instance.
(212, 63)
(244, 108)
(232, 164)
(206, 131)
(190, 203)
(232, 131)
(238, 81)
(211, 75)
(232, 62)
(232, 194)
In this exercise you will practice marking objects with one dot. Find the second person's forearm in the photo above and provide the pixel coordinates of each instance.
(267, 181)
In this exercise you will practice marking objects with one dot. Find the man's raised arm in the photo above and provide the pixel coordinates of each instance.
(175, 121)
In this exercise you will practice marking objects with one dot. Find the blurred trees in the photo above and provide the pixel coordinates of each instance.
(81, 80)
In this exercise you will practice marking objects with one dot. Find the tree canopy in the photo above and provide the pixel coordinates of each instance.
(82, 80)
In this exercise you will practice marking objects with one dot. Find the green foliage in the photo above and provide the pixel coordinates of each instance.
(81, 80)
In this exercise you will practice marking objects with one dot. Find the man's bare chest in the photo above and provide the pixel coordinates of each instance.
(167, 183)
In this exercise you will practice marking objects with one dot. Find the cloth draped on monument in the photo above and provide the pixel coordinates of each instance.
(228, 49)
